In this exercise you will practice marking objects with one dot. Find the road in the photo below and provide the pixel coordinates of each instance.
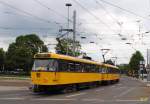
(127, 91)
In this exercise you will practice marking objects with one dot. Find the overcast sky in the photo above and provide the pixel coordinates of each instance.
(97, 20)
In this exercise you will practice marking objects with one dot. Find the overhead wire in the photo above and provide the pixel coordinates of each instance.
(107, 12)
(56, 12)
(29, 14)
(24, 28)
(92, 14)
(114, 19)
(126, 10)
(50, 9)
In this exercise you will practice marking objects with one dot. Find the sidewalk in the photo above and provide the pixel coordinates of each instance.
(145, 81)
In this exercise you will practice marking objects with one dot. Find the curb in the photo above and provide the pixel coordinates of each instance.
(14, 78)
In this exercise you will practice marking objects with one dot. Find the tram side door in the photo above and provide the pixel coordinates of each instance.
(56, 74)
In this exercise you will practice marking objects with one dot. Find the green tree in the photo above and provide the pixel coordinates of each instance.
(2, 59)
(124, 68)
(134, 63)
(64, 44)
(20, 53)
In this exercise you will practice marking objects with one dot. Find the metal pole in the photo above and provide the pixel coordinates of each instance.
(68, 33)
(68, 17)
(147, 57)
(74, 31)
(147, 66)
(68, 5)
(138, 21)
(103, 58)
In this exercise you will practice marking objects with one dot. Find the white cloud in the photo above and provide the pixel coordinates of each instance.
(89, 26)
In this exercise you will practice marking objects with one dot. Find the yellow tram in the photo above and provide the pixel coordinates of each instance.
(51, 70)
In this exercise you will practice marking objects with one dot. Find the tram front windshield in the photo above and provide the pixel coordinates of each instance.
(45, 65)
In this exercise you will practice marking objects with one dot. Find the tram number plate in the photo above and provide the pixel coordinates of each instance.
(38, 75)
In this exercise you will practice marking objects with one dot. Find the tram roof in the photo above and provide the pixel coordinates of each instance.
(65, 57)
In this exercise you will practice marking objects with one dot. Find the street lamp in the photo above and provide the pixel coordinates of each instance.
(128, 43)
(92, 42)
(68, 5)
(83, 37)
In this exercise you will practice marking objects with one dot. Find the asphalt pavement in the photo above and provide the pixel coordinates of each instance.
(127, 91)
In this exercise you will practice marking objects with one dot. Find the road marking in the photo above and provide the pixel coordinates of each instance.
(55, 99)
(113, 86)
(75, 95)
(129, 100)
(97, 100)
(118, 88)
(16, 98)
(124, 93)
(144, 99)
(119, 84)
(117, 100)
(148, 85)
(99, 90)
(10, 88)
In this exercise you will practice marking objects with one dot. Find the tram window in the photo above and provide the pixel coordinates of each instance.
(63, 65)
(77, 67)
(97, 68)
(86, 68)
(104, 70)
(89, 68)
(52, 65)
(71, 66)
(82, 68)
(116, 71)
(93, 68)
(113, 70)
(110, 70)
(100, 69)
(45, 65)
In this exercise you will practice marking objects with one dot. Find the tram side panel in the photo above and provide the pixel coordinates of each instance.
(60, 78)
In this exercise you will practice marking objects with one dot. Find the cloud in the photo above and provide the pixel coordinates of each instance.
(95, 29)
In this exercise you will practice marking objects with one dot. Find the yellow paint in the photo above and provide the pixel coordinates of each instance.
(57, 78)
